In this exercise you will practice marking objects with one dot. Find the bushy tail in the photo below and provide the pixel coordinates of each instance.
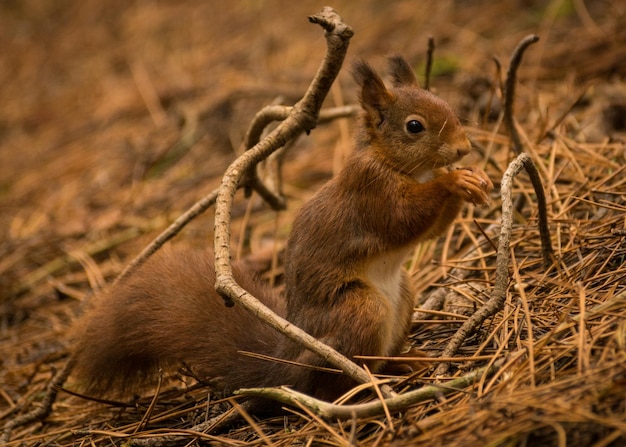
(167, 314)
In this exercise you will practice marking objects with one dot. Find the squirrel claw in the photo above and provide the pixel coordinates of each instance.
(471, 184)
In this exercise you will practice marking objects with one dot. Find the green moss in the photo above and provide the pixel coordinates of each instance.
(443, 65)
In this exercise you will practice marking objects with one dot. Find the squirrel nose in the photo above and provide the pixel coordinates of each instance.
(463, 151)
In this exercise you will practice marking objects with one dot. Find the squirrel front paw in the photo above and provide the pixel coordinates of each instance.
(470, 184)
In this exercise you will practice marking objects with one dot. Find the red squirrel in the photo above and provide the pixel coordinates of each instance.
(345, 282)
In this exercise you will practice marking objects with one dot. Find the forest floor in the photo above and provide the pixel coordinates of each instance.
(118, 116)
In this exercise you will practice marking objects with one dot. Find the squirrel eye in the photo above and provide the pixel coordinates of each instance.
(414, 126)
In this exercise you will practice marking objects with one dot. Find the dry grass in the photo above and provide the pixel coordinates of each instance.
(117, 118)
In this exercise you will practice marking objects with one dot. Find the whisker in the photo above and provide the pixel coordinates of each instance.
(418, 165)
(466, 120)
(442, 126)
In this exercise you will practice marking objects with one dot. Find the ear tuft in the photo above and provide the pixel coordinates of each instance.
(374, 97)
(401, 72)
(361, 71)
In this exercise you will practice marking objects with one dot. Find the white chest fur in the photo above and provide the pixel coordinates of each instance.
(385, 274)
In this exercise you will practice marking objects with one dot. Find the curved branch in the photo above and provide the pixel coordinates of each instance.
(372, 409)
(270, 187)
(251, 180)
(498, 295)
(262, 119)
(303, 118)
(542, 209)
(275, 201)
(509, 90)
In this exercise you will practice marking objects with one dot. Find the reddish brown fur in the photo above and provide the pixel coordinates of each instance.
(344, 276)
(166, 315)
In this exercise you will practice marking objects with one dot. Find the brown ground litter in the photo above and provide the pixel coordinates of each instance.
(118, 116)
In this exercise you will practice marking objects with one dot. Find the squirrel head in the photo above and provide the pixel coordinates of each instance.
(408, 127)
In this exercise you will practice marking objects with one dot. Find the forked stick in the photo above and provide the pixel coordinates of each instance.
(302, 118)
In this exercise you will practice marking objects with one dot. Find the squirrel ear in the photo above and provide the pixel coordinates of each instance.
(401, 72)
(374, 97)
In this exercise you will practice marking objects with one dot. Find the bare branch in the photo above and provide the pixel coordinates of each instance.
(542, 209)
(509, 90)
(376, 408)
(498, 295)
(270, 188)
(275, 201)
(303, 117)
(429, 62)
(264, 118)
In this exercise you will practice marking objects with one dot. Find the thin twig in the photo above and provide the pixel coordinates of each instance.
(45, 407)
(509, 90)
(198, 208)
(429, 62)
(542, 209)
